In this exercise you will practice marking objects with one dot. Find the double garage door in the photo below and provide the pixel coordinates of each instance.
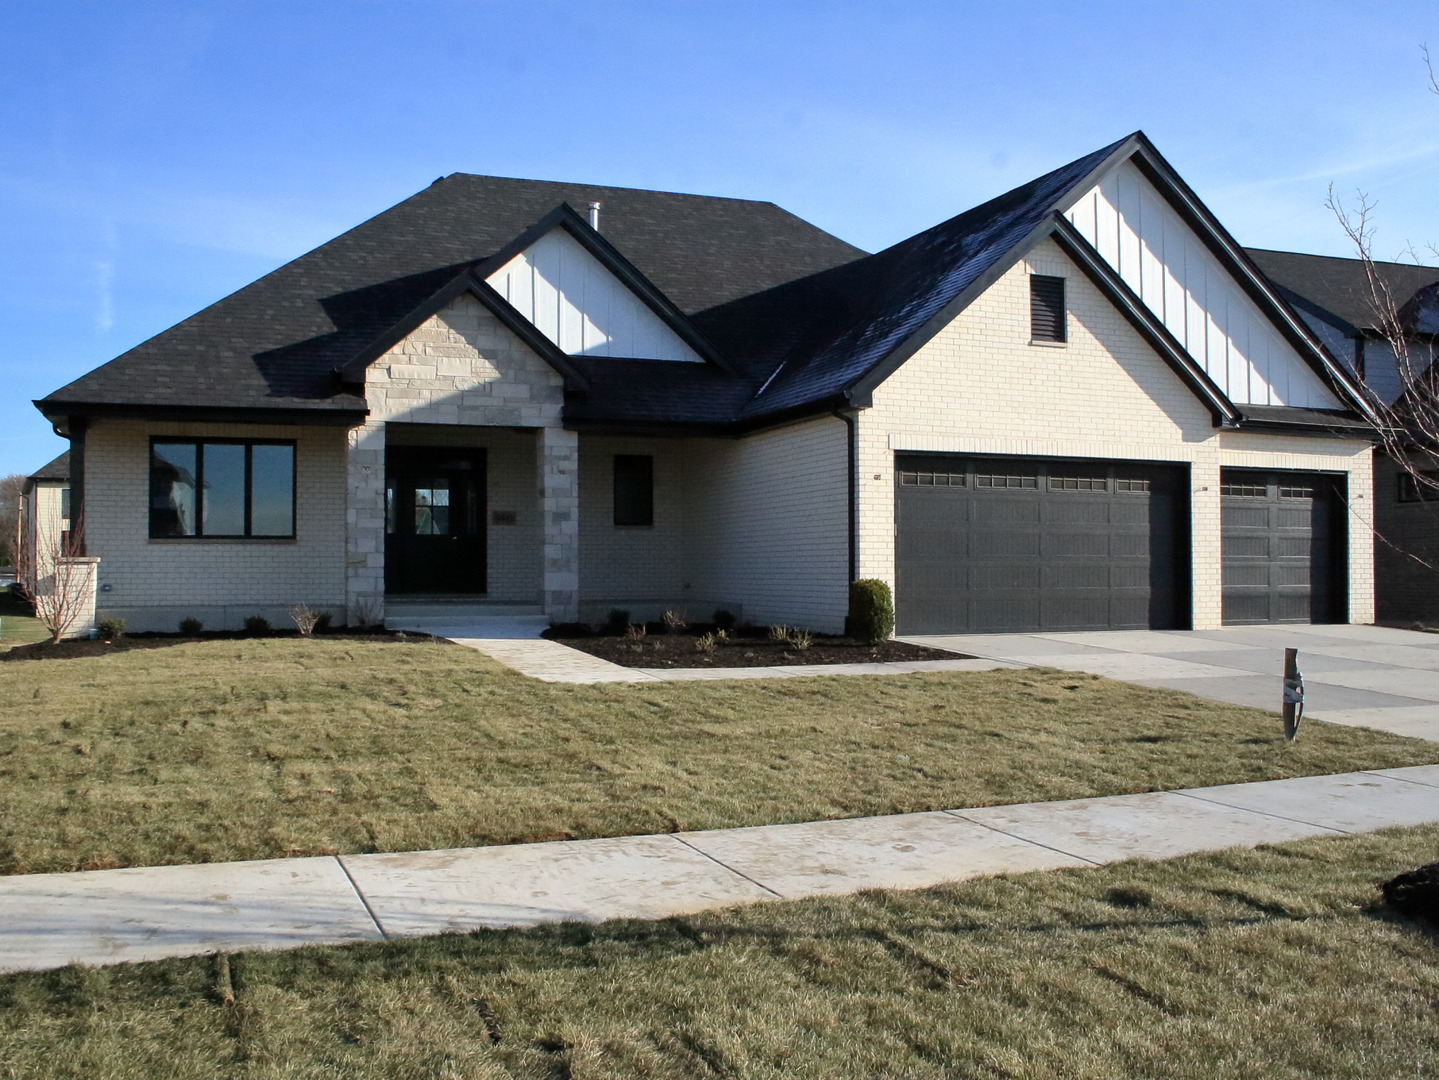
(1012, 545)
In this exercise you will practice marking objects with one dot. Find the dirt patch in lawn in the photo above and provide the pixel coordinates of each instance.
(744, 649)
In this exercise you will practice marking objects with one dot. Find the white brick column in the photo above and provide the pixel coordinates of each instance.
(559, 478)
(365, 525)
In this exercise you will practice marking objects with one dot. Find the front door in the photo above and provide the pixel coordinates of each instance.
(434, 520)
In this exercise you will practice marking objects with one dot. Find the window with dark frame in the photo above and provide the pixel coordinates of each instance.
(634, 489)
(222, 488)
(1423, 489)
(1046, 308)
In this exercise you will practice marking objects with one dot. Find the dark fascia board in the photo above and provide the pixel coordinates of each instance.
(1310, 428)
(1246, 274)
(860, 393)
(467, 281)
(59, 412)
(565, 217)
(1324, 315)
(726, 430)
(1083, 254)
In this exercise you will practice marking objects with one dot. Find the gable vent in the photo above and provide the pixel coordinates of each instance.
(1046, 308)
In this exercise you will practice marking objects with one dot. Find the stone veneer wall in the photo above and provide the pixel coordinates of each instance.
(980, 387)
(463, 367)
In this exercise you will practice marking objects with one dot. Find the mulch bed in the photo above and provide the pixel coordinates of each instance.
(77, 650)
(744, 649)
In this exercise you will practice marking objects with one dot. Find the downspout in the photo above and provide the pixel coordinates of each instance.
(852, 423)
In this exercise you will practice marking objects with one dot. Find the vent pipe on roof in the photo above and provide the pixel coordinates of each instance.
(595, 216)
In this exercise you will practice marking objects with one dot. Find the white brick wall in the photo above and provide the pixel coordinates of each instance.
(980, 387)
(152, 584)
(767, 523)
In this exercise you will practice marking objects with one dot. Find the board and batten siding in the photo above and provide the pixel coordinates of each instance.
(574, 300)
(767, 523)
(1179, 279)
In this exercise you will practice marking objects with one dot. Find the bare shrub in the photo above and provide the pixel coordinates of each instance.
(801, 639)
(706, 643)
(304, 619)
(674, 621)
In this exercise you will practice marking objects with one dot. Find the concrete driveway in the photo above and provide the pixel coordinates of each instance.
(1367, 676)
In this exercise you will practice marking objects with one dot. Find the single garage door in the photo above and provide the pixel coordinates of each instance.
(1284, 544)
(994, 545)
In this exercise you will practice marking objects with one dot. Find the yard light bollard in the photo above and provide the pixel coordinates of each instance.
(1293, 694)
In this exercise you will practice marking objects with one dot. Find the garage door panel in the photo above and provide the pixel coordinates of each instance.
(1282, 547)
(1048, 545)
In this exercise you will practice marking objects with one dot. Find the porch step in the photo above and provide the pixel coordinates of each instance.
(474, 627)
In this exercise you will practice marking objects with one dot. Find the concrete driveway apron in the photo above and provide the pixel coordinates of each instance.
(1367, 676)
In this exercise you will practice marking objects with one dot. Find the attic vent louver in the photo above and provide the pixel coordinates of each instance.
(595, 216)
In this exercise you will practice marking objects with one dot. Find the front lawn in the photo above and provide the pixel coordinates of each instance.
(18, 625)
(1274, 963)
(245, 749)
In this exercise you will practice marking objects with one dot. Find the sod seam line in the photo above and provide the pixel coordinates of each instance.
(731, 869)
(1016, 836)
(363, 899)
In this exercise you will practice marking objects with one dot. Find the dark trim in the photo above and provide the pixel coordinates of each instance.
(852, 440)
(566, 217)
(202, 414)
(79, 426)
(1368, 434)
(467, 281)
(1246, 273)
(1108, 281)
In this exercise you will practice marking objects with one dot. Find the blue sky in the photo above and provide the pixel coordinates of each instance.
(155, 156)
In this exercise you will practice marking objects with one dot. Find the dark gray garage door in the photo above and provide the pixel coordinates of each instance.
(989, 545)
(1284, 545)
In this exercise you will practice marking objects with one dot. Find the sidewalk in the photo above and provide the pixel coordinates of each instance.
(112, 916)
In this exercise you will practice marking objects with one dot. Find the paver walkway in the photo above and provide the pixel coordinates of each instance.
(1367, 676)
(111, 916)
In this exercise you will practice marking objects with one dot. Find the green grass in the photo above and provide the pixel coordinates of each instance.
(248, 749)
(1273, 963)
(17, 625)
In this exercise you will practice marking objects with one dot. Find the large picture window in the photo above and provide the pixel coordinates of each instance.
(222, 488)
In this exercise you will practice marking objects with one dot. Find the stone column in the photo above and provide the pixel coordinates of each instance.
(559, 480)
(365, 525)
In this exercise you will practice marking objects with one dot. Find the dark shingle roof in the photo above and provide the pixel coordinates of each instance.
(277, 342)
(1340, 286)
(59, 469)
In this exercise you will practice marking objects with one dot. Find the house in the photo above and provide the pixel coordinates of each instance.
(1079, 405)
(44, 522)
(1335, 298)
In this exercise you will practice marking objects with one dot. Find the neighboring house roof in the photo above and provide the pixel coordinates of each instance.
(57, 471)
(790, 318)
(1340, 286)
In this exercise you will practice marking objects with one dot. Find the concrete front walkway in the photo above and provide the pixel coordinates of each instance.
(1367, 676)
(111, 916)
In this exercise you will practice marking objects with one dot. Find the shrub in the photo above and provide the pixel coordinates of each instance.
(871, 610)
(801, 639)
(112, 629)
(323, 621)
(674, 621)
(303, 618)
(257, 624)
(780, 634)
(191, 627)
(635, 632)
(706, 643)
(724, 619)
(721, 635)
(617, 621)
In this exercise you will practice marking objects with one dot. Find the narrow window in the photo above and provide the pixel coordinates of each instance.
(634, 489)
(1423, 488)
(1046, 308)
(221, 488)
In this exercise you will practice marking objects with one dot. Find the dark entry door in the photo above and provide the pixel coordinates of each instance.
(1284, 538)
(994, 545)
(434, 520)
